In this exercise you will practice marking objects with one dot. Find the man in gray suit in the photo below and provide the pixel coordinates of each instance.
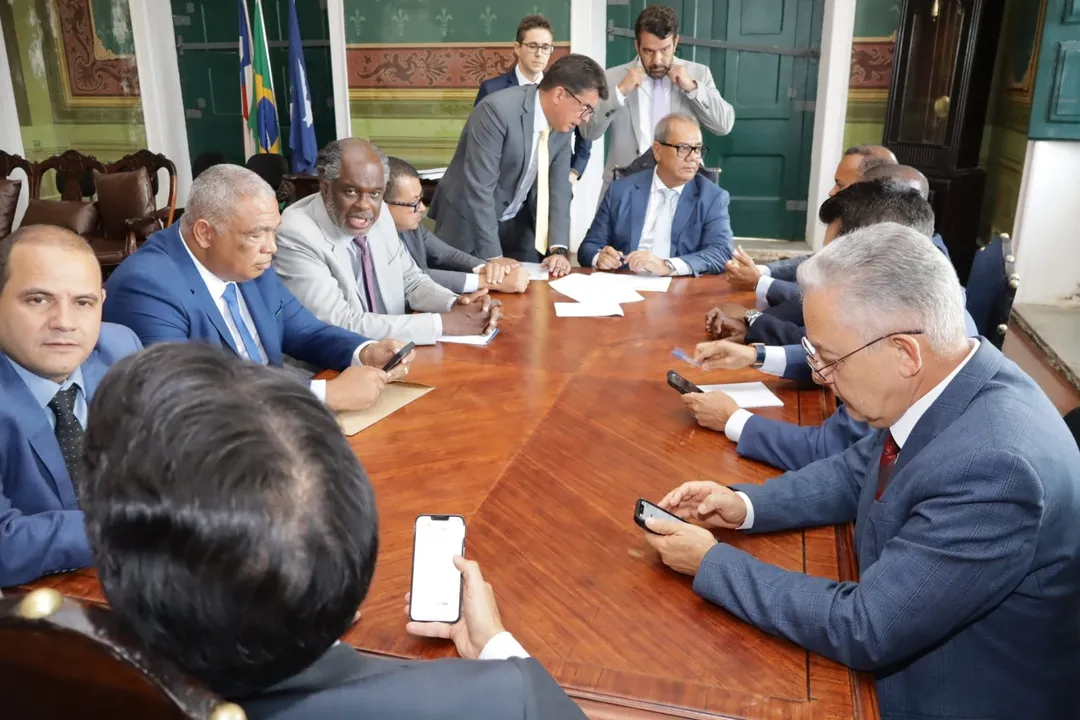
(964, 501)
(340, 255)
(243, 553)
(652, 85)
(453, 269)
(507, 189)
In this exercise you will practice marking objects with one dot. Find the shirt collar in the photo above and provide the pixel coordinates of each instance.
(44, 389)
(901, 429)
(522, 80)
(658, 184)
(540, 122)
(213, 283)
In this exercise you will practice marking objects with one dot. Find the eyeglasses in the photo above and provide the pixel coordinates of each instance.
(586, 110)
(537, 49)
(414, 205)
(684, 151)
(811, 354)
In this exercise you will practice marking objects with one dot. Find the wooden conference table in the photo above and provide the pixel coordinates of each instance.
(543, 441)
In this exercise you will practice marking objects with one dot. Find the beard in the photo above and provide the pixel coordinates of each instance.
(657, 72)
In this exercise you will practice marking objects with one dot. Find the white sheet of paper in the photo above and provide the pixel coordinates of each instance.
(469, 339)
(590, 309)
(536, 271)
(640, 283)
(584, 289)
(747, 395)
(431, 173)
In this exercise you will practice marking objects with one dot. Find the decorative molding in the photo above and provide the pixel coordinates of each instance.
(85, 74)
(430, 67)
(871, 63)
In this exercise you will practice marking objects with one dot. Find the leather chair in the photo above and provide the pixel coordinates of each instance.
(991, 288)
(1072, 420)
(10, 189)
(154, 164)
(61, 659)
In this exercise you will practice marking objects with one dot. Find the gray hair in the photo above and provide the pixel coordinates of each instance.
(663, 128)
(891, 278)
(216, 191)
(328, 163)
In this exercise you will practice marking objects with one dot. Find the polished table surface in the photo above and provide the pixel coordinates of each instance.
(543, 441)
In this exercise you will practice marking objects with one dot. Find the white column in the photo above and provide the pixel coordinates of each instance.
(588, 36)
(10, 134)
(339, 68)
(834, 73)
(159, 84)
(1047, 218)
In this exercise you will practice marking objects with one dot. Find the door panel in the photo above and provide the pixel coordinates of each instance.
(766, 158)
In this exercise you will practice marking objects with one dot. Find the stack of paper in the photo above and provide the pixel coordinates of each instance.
(394, 396)
(585, 289)
(640, 283)
(747, 395)
(431, 173)
(536, 271)
(587, 309)
(469, 339)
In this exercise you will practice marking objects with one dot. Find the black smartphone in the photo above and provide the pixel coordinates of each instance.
(645, 510)
(436, 583)
(681, 384)
(398, 357)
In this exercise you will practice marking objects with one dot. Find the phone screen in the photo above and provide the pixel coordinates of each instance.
(647, 510)
(436, 583)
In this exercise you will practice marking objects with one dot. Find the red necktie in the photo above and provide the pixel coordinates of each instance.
(889, 454)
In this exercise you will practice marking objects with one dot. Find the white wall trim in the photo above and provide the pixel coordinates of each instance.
(588, 36)
(10, 134)
(339, 68)
(834, 76)
(159, 84)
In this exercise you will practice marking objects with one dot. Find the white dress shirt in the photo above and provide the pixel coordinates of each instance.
(643, 122)
(522, 80)
(216, 287)
(761, 290)
(900, 430)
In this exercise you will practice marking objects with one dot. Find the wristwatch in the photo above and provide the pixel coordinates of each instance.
(557, 251)
(751, 316)
(670, 266)
(760, 347)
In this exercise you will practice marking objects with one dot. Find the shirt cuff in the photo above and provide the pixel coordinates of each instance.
(356, 355)
(619, 97)
(749, 521)
(761, 292)
(502, 647)
(318, 389)
(765, 271)
(734, 426)
(775, 361)
(696, 94)
(438, 323)
(472, 283)
(681, 266)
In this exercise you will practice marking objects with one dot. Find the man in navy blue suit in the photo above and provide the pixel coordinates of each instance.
(208, 278)
(533, 47)
(665, 221)
(54, 350)
(964, 500)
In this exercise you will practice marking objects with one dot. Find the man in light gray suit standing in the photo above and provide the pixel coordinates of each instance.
(506, 192)
(652, 85)
(340, 255)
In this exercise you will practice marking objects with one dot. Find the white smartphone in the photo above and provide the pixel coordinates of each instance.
(436, 583)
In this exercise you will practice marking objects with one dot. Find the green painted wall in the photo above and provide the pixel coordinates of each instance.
(449, 21)
(866, 110)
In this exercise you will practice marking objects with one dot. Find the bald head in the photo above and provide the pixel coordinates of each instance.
(352, 180)
(899, 175)
(858, 160)
(38, 236)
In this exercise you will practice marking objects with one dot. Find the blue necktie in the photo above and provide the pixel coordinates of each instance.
(250, 345)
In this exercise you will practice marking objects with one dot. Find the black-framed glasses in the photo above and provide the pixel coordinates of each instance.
(414, 205)
(811, 353)
(684, 151)
(586, 110)
(537, 48)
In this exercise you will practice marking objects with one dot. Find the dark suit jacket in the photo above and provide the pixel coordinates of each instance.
(158, 293)
(582, 147)
(348, 685)
(793, 447)
(700, 232)
(969, 589)
(41, 526)
(446, 265)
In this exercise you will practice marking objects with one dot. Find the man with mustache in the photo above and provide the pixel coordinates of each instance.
(54, 350)
(339, 253)
(651, 86)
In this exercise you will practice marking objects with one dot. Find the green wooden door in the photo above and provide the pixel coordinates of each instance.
(766, 158)
(1055, 110)
(207, 36)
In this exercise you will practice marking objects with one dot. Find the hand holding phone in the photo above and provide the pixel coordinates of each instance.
(645, 510)
(436, 582)
(681, 384)
(398, 357)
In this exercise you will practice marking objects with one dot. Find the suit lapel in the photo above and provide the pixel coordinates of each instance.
(33, 423)
(687, 203)
(511, 78)
(639, 204)
(265, 322)
(528, 120)
(175, 248)
(340, 251)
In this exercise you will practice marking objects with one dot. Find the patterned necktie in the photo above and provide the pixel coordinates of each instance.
(885, 466)
(659, 102)
(542, 196)
(69, 433)
(251, 348)
(367, 276)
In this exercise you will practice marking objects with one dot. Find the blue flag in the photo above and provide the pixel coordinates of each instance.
(302, 125)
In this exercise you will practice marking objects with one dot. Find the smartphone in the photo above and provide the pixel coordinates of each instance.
(645, 510)
(681, 384)
(436, 583)
(398, 357)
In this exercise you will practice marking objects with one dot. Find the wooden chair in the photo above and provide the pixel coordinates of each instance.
(296, 187)
(154, 164)
(72, 168)
(10, 162)
(11, 190)
(991, 288)
(59, 659)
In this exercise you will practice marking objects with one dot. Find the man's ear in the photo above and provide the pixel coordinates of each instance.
(911, 359)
